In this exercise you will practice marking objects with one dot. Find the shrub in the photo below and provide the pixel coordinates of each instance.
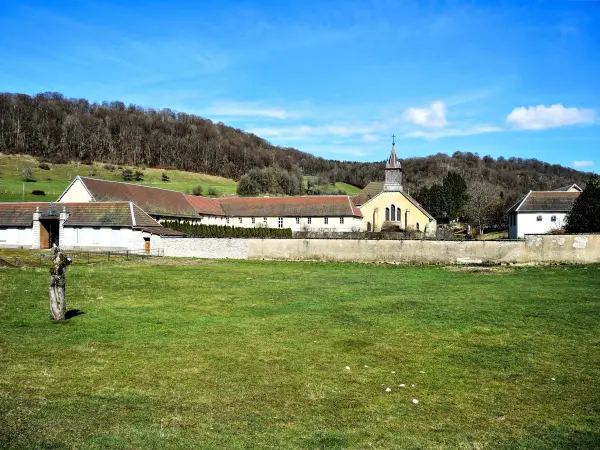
(584, 217)
(127, 175)
(197, 190)
(27, 174)
(203, 230)
(37, 192)
(212, 192)
(44, 166)
(139, 176)
(110, 167)
(165, 177)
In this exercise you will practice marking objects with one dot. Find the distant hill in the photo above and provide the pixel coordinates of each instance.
(55, 129)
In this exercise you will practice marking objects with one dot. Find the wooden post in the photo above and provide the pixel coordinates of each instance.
(58, 269)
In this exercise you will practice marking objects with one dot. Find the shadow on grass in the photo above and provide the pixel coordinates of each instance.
(72, 313)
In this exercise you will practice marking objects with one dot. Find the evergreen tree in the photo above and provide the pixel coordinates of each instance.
(585, 214)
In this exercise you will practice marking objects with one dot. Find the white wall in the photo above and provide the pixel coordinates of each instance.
(102, 238)
(16, 237)
(76, 193)
(317, 223)
(527, 223)
(532, 249)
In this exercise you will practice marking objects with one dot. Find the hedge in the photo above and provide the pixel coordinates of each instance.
(202, 230)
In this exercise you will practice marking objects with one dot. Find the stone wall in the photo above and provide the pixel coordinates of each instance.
(534, 249)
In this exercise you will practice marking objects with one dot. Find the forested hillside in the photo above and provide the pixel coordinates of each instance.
(57, 129)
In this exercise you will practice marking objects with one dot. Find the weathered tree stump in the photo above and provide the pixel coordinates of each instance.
(58, 269)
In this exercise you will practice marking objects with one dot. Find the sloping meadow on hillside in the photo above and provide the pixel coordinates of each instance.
(47, 181)
(239, 354)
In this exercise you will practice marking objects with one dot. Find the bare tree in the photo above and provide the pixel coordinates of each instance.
(483, 201)
(58, 270)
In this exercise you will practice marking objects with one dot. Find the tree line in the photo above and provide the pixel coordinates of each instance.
(57, 129)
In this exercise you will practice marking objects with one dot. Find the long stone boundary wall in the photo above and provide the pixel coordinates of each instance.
(533, 249)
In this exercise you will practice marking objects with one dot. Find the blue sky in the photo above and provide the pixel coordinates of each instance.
(336, 79)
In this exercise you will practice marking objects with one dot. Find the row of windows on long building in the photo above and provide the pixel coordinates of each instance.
(309, 220)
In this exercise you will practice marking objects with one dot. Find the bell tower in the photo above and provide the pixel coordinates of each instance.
(393, 172)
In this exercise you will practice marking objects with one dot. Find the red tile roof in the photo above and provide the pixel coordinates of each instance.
(546, 201)
(305, 206)
(155, 201)
(19, 214)
(95, 214)
(203, 205)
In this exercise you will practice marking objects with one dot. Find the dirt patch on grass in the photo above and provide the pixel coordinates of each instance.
(481, 270)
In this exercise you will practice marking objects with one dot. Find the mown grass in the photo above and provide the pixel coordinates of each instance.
(54, 181)
(239, 354)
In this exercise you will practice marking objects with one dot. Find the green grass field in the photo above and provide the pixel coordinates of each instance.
(54, 181)
(240, 354)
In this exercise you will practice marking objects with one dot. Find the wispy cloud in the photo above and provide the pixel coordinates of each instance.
(543, 117)
(582, 164)
(452, 132)
(234, 109)
(369, 138)
(300, 132)
(433, 116)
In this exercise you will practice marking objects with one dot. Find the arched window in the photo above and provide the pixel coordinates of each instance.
(399, 215)
(418, 227)
(368, 226)
(387, 213)
(393, 208)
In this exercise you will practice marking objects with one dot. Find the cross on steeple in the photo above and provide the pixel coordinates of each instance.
(393, 136)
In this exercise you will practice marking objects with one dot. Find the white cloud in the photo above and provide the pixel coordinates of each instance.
(582, 164)
(433, 116)
(299, 132)
(542, 117)
(247, 110)
(369, 138)
(450, 132)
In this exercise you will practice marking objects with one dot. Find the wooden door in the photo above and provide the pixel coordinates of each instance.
(44, 236)
(147, 245)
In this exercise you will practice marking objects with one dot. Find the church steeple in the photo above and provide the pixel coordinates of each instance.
(393, 171)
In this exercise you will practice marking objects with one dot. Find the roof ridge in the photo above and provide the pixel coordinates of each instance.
(131, 184)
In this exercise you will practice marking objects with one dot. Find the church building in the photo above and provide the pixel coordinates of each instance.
(386, 204)
(104, 215)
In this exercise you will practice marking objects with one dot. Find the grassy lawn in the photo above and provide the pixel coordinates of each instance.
(241, 354)
(54, 181)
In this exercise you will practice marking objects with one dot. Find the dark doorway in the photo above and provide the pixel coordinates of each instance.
(49, 229)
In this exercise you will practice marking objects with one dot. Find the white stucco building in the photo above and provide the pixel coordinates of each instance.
(541, 212)
(78, 226)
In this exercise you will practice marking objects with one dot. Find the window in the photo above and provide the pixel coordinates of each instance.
(553, 218)
(78, 235)
(297, 220)
(280, 222)
(387, 214)
(3, 233)
(309, 220)
(240, 220)
(253, 220)
(418, 227)
(539, 218)
(398, 215)
(115, 236)
(326, 220)
(341, 221)
(21, 233)
(393, 211)
(227, 220)
(265, 220)
(95, 235)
